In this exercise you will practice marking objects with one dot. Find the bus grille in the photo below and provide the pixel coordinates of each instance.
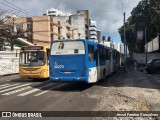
(30, 69)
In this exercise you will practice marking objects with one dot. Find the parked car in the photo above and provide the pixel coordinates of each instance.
(153, 66)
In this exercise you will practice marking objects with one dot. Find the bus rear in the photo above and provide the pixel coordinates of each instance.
(68, 61)
(34, 62)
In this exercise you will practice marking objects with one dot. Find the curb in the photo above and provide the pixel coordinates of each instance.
(8, 74)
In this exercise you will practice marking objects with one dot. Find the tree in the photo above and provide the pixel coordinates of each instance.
(141, 18)
(155, 13)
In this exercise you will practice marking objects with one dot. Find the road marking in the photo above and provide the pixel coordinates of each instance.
(8, 80)
(3, 85)
(18, 90)
(14, 88)
(34, 90)
(9, 86)
(49, 90)
(21, 89)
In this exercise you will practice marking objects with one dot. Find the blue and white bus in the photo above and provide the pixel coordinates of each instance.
(81, 61)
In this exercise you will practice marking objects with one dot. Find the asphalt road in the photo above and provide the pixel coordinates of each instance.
(130, 91)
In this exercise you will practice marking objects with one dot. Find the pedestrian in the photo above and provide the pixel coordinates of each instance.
(135, 64)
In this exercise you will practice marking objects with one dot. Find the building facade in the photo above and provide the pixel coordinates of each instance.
(80, 21)
(67, 28)
(93, 30)
(76, 24)
(40, 30)
(55, 12)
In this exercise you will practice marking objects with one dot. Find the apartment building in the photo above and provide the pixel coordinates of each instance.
(67, 28)
(80, 20)
(55, 12)
(40, 30)
(93, 30)
(76, 24)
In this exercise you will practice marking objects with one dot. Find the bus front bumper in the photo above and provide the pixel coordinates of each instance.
(33, 76)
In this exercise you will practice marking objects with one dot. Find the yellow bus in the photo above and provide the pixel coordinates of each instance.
(34, 62)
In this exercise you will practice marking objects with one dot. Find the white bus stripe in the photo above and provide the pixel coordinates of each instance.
(8, 86)
(49, 90)
(34, 90)
(14, 88)
(16, 91)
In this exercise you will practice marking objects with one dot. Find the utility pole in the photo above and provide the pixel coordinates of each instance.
(146, 48)
(124, 62)
(11, 37)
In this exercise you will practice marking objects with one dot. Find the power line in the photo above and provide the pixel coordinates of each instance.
(12, 7)
(19, 7)
(21, 10)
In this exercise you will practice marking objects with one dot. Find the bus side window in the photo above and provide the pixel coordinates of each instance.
(104, 54)
(91, 52)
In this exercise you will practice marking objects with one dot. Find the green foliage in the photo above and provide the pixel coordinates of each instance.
(144, 15)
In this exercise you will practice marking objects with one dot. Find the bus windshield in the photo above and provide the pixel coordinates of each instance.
(33, 58)
(68, 48)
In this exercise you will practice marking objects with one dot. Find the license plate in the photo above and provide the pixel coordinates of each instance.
(67, 72)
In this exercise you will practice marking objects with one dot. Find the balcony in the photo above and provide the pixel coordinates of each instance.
(93, 33)
(93, 37)
(93, 28)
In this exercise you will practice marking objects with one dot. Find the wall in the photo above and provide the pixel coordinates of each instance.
(9, 63)
(141, 57)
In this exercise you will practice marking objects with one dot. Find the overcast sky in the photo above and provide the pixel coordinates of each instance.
(107, 13)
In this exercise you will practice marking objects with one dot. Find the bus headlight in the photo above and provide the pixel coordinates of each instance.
(44, 70)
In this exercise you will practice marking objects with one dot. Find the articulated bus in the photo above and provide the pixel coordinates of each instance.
(34, 62)
(81, 61)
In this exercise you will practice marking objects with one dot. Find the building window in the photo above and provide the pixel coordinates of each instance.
(29, 25)
(52, 12)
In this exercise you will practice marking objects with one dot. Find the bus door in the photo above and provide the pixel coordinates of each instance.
(111, 61)
(108, 57)
(92, 53)
(47, 61)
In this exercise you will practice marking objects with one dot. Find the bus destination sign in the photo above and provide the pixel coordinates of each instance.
(33, 48)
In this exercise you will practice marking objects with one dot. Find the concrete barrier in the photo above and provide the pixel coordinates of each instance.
(9, 62)
(141, 57)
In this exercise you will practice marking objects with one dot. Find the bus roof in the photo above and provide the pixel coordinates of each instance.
(85, 40)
